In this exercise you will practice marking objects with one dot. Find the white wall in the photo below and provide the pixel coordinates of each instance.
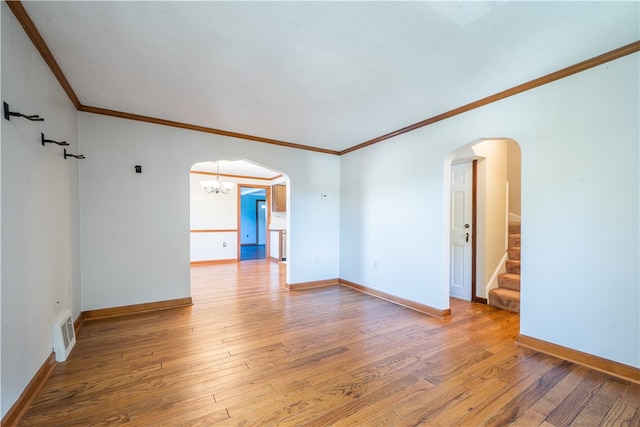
(40, 247)
(220, 212)
(274, 245)
(492, 211)
(278, 221)
(214, 246)
(494, 166)
(514, 170)
(213, 212)
(135, 228)
(580, 178)
(580, 184)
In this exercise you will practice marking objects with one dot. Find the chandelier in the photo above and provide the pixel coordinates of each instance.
(216, 186)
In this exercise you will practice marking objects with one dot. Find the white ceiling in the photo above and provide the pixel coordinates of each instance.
(324, 74)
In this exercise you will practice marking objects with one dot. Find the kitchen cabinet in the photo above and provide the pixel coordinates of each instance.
(279, 198)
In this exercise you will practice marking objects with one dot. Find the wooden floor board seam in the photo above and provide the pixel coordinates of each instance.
(248, 352)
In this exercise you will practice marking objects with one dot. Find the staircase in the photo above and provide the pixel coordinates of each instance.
(507, 294)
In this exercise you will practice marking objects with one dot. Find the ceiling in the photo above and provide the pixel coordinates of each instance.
(329, 74)
(239, 168)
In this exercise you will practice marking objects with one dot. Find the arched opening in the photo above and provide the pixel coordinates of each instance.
(482, 220)
(218, 226)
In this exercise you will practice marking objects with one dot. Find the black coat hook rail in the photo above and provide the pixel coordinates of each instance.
(51, 141)
(77, 156)
(8, 114)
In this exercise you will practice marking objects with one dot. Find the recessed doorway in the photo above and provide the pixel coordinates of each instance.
(253, 211)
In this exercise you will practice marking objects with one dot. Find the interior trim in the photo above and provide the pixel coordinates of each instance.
(104, 313)
(616, 369)
(19, 408)
(38, 42)
(235, 176)
(214, 231)
(78, 323)
(214, 262)
(474, 223)
(23, 17)
(421, 308)
(32, 32)
(303, 286)
(171, 123)
(565, 72)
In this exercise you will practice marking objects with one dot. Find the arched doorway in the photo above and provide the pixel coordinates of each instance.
(485, 174)
(215, 216)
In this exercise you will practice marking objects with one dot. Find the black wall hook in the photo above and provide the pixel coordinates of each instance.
(8, 114)
(77, 156)
(51, 141)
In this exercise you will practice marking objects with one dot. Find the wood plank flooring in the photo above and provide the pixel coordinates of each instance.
(250, 353)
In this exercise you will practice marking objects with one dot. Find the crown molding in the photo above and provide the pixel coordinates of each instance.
(196, 172)
(565, 72)
(23, 17)
(158, 121)
(36, 38)
(38, 42)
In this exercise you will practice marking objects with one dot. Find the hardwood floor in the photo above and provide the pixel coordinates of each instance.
(249, 352)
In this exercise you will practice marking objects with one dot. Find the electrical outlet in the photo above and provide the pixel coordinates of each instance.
(375, 265)
(317, 259)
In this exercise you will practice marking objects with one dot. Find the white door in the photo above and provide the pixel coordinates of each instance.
(461, 211)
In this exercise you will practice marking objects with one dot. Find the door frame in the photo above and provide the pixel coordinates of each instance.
(267, 189)
(484, 271)
(474, 223)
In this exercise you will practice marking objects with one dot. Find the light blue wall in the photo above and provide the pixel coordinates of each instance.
(248, 223)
